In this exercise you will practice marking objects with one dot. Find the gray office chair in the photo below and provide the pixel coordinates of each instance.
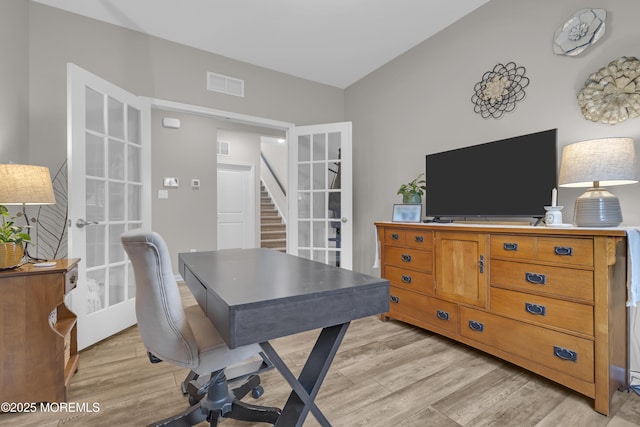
(186, 338)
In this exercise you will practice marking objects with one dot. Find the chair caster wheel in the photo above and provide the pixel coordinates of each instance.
(257, 392)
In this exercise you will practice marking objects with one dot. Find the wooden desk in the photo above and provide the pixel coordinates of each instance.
(38, 352)
(254, 295)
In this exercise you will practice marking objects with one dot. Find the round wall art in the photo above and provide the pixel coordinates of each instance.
(612, 94)
(583, 29)
(499, 90)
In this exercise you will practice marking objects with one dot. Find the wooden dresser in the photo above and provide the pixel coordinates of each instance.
(551, 300)
(38, 351)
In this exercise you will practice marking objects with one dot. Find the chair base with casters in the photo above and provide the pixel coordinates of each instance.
(218, 402)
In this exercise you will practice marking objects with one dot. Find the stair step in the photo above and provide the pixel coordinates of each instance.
(271, 220)
(273, 227)
(273, 243)
(273, 234)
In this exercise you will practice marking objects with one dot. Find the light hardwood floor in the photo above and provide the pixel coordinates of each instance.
(385, 374)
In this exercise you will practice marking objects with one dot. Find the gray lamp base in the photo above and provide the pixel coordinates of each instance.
(597, 208)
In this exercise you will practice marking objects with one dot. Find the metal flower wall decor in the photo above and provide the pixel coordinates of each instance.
(612, 94)
(499, 90)
(583, 29)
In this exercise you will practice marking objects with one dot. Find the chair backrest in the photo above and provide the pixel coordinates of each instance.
(163, 326)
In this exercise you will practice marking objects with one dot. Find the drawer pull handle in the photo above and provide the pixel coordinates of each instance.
(419, 239)
(395, 236)
(442, 315)
(535, 278)
(406, 278)
(395, 299)
(73, 278)
(563, 251)
(539, 310)
(510, 246)
(476, 326)
(405, 257)
(565, 354)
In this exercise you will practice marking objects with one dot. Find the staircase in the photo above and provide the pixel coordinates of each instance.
(273, 232)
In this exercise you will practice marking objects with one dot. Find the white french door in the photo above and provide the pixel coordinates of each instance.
(320, 193)
(108, 155)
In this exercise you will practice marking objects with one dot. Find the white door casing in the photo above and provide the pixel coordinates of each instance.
(320, 193)
(236, 206)
(108, 152)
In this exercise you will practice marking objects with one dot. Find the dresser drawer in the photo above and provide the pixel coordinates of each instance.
(441, 314)
(560, 281)
(511, 246)
(563, 250)
(420, 239)
(409, 258)
(414, 280)
(545, 311)
(561, 352)
(395, 236)
(570, 251)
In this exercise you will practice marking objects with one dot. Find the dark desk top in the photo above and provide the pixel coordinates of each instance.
(254, 295)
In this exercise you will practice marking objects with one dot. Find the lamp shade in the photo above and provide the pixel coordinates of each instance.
(609, 161)
(25, 185)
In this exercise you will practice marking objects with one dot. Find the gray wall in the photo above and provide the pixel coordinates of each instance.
(420, 102)
(151, 67)
(186, 219)
(145, 66)
(14, 81)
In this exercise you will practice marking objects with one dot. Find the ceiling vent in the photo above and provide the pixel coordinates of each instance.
(225, 84)
(223, 148)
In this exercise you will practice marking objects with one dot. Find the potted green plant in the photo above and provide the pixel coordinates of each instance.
(412, 191)
(12, 239)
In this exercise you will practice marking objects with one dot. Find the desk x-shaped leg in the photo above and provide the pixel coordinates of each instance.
(306, 386)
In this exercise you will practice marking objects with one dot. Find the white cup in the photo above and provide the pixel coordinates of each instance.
(553, 215)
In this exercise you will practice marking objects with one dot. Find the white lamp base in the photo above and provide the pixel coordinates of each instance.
(597, 208)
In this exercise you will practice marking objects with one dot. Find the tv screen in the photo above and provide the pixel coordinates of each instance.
(513, 177)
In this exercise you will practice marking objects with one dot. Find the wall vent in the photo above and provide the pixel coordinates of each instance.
(223, 148)
(225, 84)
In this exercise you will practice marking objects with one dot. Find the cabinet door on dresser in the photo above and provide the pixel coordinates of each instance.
(461, 267)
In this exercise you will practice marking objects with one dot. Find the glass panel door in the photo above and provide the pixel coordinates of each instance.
(106, 198)
(320, 206)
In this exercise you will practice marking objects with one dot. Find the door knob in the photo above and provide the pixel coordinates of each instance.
(81, 223)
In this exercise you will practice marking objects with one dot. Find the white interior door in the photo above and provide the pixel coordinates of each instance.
(236, 210)
(109, 173)
(320, 193)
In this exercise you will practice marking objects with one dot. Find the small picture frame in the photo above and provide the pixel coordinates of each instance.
(407, 213)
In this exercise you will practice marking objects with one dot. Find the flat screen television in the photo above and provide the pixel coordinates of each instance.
(512, 177)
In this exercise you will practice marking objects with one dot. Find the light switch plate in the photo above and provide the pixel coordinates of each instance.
(163, 194)
(170, 182)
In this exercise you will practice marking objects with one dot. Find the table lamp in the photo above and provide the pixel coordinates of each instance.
(606, 162)
(25, 185)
